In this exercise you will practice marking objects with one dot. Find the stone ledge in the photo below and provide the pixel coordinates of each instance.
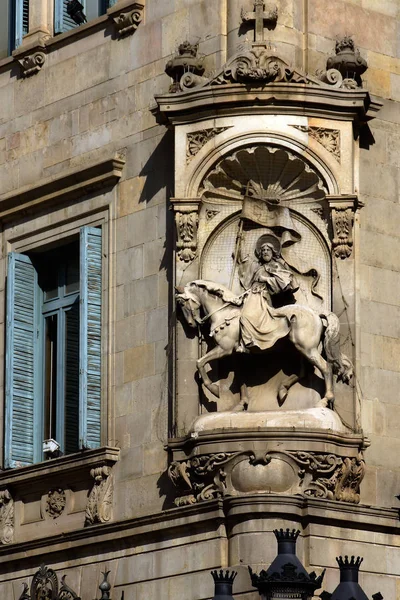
(71, 184)
(64, 465)
(274, 98)
(208, 515)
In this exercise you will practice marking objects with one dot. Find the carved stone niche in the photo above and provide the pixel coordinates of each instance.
(265, 204)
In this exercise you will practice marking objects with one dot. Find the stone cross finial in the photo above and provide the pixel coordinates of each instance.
(259, 16)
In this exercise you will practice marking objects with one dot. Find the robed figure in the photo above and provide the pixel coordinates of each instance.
(265, 278)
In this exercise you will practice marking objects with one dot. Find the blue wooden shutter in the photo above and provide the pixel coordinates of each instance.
(21, 363)
(21, 21)
(90, 336)
(62, 20)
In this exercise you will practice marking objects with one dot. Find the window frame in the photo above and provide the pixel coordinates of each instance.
(27, 248)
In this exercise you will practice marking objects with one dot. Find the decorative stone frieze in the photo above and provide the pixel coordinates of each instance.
(328, 138)
(317, 475)
(45, 585)
(342, 216)
(99, 504)
(32, 63)
(127, 17)
(197, 139)
(186, 221)
(6, 517)
(55, 502)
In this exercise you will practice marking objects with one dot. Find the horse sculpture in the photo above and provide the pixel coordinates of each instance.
(203, 301)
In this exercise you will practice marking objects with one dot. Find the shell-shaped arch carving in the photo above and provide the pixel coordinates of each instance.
(268, 172)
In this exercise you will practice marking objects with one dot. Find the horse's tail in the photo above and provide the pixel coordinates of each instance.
(341, 364)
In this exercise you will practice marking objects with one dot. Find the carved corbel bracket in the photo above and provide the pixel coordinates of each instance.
(99, 504)
(342, 210)
(126, 16)
(186, 220)
(31, 60)
(6, 517)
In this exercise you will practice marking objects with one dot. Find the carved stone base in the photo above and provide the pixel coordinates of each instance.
(316, 464)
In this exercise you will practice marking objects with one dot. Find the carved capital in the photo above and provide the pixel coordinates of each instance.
(6, 517)
(342, 215)
(99, 504)
(32, 63)
(127, 19)
(186, 220)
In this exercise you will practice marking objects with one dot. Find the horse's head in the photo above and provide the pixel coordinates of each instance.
(189, 304)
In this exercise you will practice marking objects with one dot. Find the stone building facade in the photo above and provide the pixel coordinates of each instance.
(151, 147)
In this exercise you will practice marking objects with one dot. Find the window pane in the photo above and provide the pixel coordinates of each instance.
(72, 379)
(50, 377)
(72, 274)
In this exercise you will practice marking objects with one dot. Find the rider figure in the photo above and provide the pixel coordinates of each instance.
(265, 278)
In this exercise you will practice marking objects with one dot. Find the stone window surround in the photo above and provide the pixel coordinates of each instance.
(47, 43)
(69, 186)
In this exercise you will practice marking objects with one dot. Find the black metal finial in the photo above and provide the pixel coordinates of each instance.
(286, 539)
(349, 586)
(105, 586)
(349, 567)
(223, 581)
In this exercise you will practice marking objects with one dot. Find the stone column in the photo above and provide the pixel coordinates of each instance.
(342, 210)
(187, 348)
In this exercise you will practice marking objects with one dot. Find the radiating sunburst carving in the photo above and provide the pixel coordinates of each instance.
(273, 174)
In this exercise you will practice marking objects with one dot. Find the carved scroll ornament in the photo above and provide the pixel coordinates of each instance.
(99, 504)
(32, 63)
(316, 475)
(128, 21)
(6, 517)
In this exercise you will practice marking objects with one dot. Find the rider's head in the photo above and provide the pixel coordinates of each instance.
(266, 252)
(267, 247)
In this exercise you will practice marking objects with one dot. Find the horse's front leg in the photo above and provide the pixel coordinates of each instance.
(213, 354)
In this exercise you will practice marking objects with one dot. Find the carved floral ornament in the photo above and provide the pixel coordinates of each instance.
(312, 474)
(197, 139)
(186, 221)
(328, 138)
(55, 502)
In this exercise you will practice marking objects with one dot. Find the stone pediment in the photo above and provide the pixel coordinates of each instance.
(256, 65)
(255, 76)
